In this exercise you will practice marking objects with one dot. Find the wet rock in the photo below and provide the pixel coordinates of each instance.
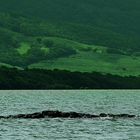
(95, 116)
(111, 115)
(35, 115)
(65, 115)
(59, 114)
(131, 116)
(127, 116)
(2, 117)
(52, 114)
(75, 115)
(19, 116)
(103, 115)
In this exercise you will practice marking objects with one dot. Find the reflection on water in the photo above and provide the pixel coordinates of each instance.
(14, 102)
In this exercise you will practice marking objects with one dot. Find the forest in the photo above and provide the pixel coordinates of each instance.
(12, 78)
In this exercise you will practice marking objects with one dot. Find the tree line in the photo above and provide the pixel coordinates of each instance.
(13, 78)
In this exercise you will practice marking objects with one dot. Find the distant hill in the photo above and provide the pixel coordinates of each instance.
(112, 23)
(77, 35)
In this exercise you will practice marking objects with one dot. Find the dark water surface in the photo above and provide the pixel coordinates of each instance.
(94, 102)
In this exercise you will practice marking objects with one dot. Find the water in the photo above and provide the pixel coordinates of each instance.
(14, 102)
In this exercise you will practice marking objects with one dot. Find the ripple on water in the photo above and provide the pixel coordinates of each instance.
(94, 102)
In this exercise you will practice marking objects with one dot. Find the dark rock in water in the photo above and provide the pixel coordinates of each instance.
(121, 116)
(131, 116)
(103, 115)
(59, 114)
(111, 115)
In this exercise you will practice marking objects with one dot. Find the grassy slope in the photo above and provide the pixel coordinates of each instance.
(20, 47)
(91, 61)
(23, 48)
(88, 57)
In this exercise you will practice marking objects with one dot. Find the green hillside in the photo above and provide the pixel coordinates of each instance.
(76, 35)
(108, 23)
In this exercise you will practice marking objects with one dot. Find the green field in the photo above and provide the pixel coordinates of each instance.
(85, 39)
(24, 48)
(91, 61)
